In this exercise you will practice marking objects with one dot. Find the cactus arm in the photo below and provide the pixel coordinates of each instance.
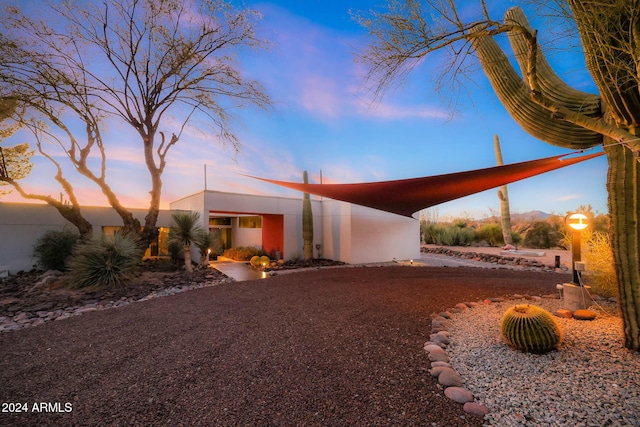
(549, 83)
(515, 96)
(613, 31)
(503, 195)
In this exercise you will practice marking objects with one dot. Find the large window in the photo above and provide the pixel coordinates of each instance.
(250, 222)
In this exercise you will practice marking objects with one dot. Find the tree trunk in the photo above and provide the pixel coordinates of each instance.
(624, 191)
(187, 258)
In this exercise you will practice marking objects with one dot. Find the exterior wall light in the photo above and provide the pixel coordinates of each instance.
(576, 222)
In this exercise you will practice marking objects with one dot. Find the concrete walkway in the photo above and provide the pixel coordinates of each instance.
(238, 271)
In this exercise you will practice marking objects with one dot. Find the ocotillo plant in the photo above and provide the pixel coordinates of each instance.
(503, 195)
(550, 110)
(307, 222)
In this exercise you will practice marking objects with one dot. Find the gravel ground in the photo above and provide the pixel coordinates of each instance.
(591, 380)
(334, 347)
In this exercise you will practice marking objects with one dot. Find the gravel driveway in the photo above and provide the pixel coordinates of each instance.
(334, 347)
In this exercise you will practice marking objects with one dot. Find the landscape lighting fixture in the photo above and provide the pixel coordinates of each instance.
(577, 222)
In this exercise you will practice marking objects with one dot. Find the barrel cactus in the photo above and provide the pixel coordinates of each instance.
(531, 329)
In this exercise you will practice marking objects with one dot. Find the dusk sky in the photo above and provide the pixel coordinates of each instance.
(324, 120)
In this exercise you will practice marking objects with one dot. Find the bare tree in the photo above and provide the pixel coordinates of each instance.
(133, 61)
(542, 104)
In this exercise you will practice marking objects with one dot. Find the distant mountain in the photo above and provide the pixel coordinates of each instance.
(530, 216)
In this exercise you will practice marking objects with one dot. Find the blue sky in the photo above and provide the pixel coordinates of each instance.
(324, 120)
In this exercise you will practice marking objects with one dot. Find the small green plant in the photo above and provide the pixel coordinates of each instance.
(530, 329)
(105, 262)
(54, 248)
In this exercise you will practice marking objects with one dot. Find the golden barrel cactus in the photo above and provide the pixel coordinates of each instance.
(531, 329)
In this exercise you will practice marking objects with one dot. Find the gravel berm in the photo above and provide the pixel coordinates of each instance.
(333, 347)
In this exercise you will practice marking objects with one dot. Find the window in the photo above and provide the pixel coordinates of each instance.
(220, 221)
(250, 222)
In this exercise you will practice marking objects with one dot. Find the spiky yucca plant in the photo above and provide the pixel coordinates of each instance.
(531, 329)
(105, 262)
(184, 230)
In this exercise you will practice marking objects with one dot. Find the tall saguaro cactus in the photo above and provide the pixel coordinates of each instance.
(554, 112)
(307, 222)
(503, 195)
(538, 100)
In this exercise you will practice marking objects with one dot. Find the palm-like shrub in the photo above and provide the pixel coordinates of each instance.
(184, 230)
(53, 249)
(204, 244)
(105, 262)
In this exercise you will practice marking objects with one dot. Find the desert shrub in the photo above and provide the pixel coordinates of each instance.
(542, 236)
(490, 233)
(598, 257)
(53, 249)
(429, 232)
(244, 253)
(453, 235)
(105, 262)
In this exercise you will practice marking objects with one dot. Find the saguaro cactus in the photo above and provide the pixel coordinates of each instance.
(307, 222)
(552, 111)
(503, 195)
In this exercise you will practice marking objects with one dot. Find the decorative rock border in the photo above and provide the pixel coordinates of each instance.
(441, 367)
(436, 347)
(494, 259)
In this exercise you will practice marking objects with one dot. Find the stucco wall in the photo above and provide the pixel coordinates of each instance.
(357, 234)
(22, 224)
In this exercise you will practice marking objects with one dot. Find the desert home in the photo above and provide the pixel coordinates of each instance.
(342, 231)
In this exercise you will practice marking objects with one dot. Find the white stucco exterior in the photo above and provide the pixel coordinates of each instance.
(22, 224)
(343, 231)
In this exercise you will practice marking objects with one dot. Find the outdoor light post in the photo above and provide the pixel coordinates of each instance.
(577, 222)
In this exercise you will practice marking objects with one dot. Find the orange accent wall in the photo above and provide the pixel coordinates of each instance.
(273, 233)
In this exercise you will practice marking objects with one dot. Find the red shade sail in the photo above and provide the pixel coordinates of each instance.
(407, 196)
